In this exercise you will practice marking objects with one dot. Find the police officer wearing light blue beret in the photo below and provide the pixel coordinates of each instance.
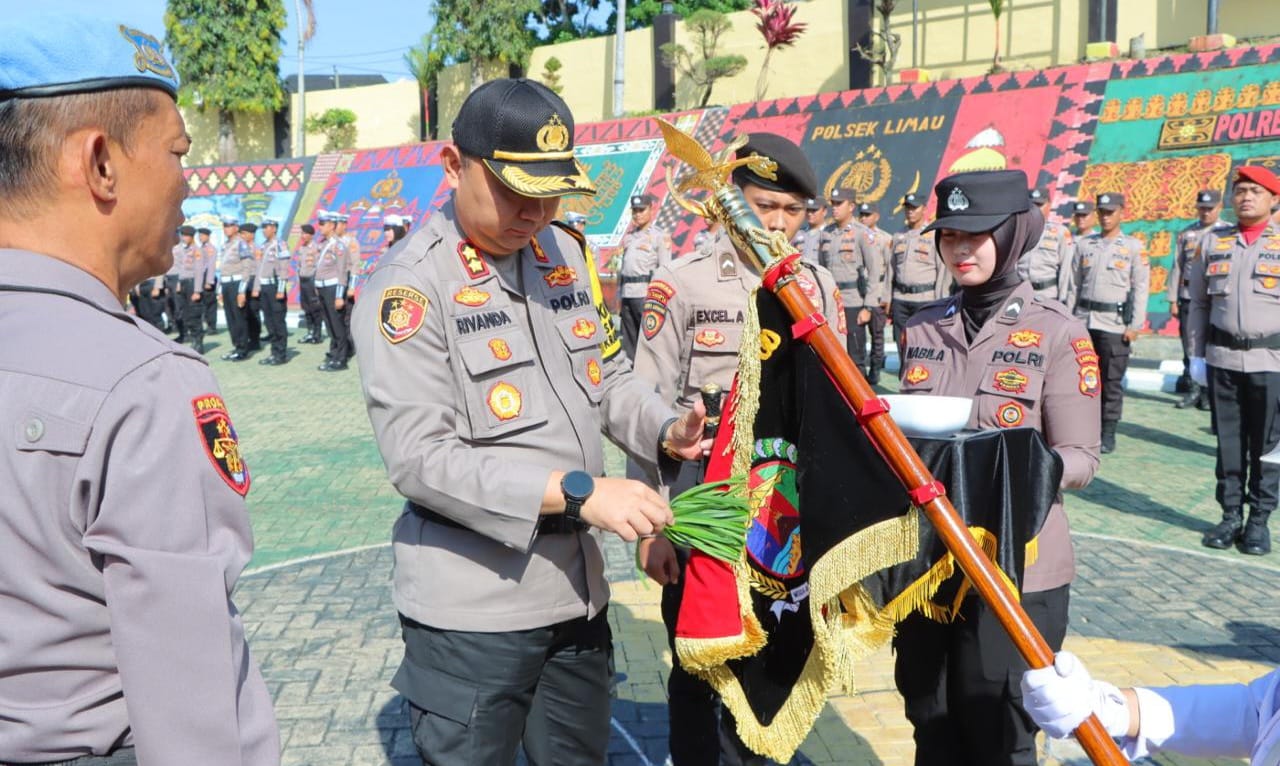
(123, 526)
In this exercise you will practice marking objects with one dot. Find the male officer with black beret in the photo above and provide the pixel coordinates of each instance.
(123, 526)
(490, 369)
(693, 329)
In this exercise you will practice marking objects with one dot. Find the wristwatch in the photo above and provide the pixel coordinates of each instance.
(576, 486)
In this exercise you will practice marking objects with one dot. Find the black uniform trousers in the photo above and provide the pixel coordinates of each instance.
(274, 310)
(348, 309)
(253, 316)
(1244, 416)
(876, 326)
(1113, 361)
(701, 732)
(1183, 306)
(901, 311)
(171, 303)
(210, 301)
(336, 324)
(149, 308)
(632, 309)
(475, 698)
(191, 312)
(312, 309)
(235, 316)
(857, 339)
(961, 683)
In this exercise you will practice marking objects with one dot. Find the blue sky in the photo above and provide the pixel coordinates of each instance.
(364, 37)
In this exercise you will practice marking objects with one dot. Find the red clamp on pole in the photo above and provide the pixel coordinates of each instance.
(784, 267)
(870, 408)
(927, 492)
(800, 330)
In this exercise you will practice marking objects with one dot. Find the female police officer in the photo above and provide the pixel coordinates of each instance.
(1025, 362)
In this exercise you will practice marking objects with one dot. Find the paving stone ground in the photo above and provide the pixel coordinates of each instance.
(1150, 604)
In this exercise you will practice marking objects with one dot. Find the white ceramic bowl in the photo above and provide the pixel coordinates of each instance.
(923, 415)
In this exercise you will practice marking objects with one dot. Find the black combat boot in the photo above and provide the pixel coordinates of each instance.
(1108, 438)
(1192, 397)
(1224, 535)
(873, 374)
(1256, 538)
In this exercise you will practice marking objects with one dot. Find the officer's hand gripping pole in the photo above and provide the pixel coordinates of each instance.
(778, 263)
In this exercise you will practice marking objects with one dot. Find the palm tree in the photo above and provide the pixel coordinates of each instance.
(997, 7)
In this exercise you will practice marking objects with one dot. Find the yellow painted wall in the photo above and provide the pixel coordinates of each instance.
(386, 114)
(255, 136)
(954, 38)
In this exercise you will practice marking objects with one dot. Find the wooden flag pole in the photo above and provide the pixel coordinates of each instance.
(778, 263)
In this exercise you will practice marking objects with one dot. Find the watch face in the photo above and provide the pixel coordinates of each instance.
(577, 484)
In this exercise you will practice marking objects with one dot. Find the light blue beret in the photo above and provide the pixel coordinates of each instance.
(60, 53)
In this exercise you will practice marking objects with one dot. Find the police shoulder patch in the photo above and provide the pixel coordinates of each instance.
(220, 441)
(402, 313)
(655, 307)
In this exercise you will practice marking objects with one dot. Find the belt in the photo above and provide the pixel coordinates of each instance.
(630, 280)
(550, 524)
(1045, 285)
(898, 287)
(122, 757)
(1098, 306)
(267, 281)
(311, 278)
(226, 279)
(1219, 337)
(168, 277)
(326, 283)
(851, 285)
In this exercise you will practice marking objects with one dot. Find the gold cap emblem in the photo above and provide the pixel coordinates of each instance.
(554, 136)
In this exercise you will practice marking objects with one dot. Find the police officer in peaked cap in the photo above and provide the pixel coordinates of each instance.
(489, 373)
(123, 526)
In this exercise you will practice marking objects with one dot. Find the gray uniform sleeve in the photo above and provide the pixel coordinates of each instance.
(1066, 269)
(171, 552)
(410, 394)
(658, 358)
(1141, 286)
(1197, 317)
(1175, 269)
(1072, 415)
(661, 248)
(871, 264)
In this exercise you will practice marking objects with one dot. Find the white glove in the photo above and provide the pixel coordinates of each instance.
(1199, 374)
(1060, 697)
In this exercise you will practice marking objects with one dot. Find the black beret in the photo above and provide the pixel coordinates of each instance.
(249, 227)
(203, 230)
(795, 174)
(980, 200)
(187, 231)
(308, 228)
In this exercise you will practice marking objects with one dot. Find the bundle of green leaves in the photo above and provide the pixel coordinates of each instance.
(713, 518)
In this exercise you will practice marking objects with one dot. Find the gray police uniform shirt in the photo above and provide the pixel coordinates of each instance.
(273, 269)
(1106, 272)
(1048, 266)
(306, 255)
(1188, 242)
(1235, 287)
(918, 273)
(238, 263)
(694, 320)
(846, 251)
(332, 268)
(189, 263)
(1030, 365)
(882, 248)
(123, 529)
(643, 252)
(808, 242)
(477, 391)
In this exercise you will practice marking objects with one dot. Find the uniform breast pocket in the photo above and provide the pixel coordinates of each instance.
(1266, 279)
(1007, 394)
(502, 387)
(582, 335)
(920, 377)
(1218, 277)
(713, 356)
(1117, 272)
